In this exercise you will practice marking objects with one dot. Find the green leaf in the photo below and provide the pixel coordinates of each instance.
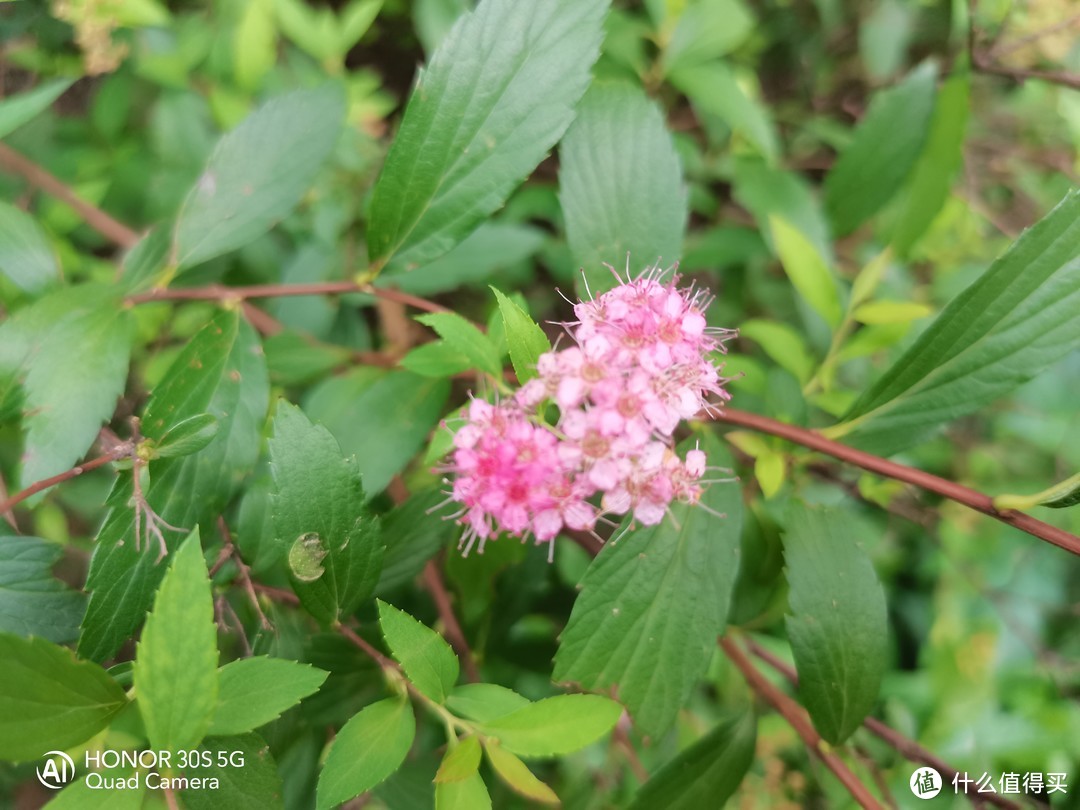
(783, 344)
(258, 173)
(653, 603)
(71, 350)
(707, 773)
(49, 700)
(254, 691)
(838, 628)
(25, 254)
(806, 268)
(525, 338)
(1014, 322)
(437, 359)
(515, 774)
(246, 772)
(460, 762)
(414, 532)
(484, 702)
(1060, 496)
(555, 726)
(887, 144)
(469, 794)
(254, 44)
(426, 658)
(706, 30)
(176, 676)
(24, 107)
(221, 371)
(381, 418)
(463, 336)
(885, 312)
(941, 159)
(79, 796)
(187, 437)
(769, 469)
(713, 90)
(498, 94)
(370, 747)
(356, 19)
(32, 602)
(620, 185)
(318, 506)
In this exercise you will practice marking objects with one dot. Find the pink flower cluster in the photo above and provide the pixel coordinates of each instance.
(639, 364)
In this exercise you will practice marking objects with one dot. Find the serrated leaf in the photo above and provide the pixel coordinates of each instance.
(484, 702)
(498, 94)
(837, 627)
(32, 601)
(176, 661)
(49, 700)
(382, 419)
(525, 338)
(258, 172)
(466, 338)
(887, 143)
(460, 762)
(220, 371)
(25, 254)
(318, 509)
(555, 726)
(940, 160)
(806, 268)
(653, 604)
(1060, 496)
(187, 437)
(254, 691)
(425, 656)
(1014, 322)
(620, 185)
(707, 773)
(70, 349)
(370, 747)
(468, 794)
(24, 107)
(515, 774)
(254, 785)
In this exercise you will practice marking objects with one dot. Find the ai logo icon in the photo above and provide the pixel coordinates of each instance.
(925, 783)
(57, 771)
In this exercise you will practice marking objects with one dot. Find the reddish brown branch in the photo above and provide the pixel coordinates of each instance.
(799, 721)
(216, 292)
(924, 480)
(451, 628)
(38, 177)
(907, 748)
(243, 573)
(116, 453)
(983, 64)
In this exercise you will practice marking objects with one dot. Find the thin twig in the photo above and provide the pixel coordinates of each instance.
(982, 64)
(216, 292)
(798, 720)
(243, 573)
(1000, 49)
(907, 748)
(451, 627)
(97, 219)
(277, 594)
(9, 516)
(114, 454)
(890, 469)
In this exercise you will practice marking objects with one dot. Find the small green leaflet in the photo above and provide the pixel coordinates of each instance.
(254, 691)
(370, 747)
(653, 604)
(705, 31)
(517, 775)
(176, 661)
(465, 338)
(620, 185)
(1060, 496)
(49, 700)
(32, 601)
(808, 271)
(837, 627)
(498, 94)
(461, 761)
(526, 340)
(555, 726)
(25, 254)
(426, 658)
(221, 371)
(258, 173)
(187, 437)
(335, 546)
(24, 107)
(1014, 322)
(887, 144)
(468, 794)
(707, 773)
